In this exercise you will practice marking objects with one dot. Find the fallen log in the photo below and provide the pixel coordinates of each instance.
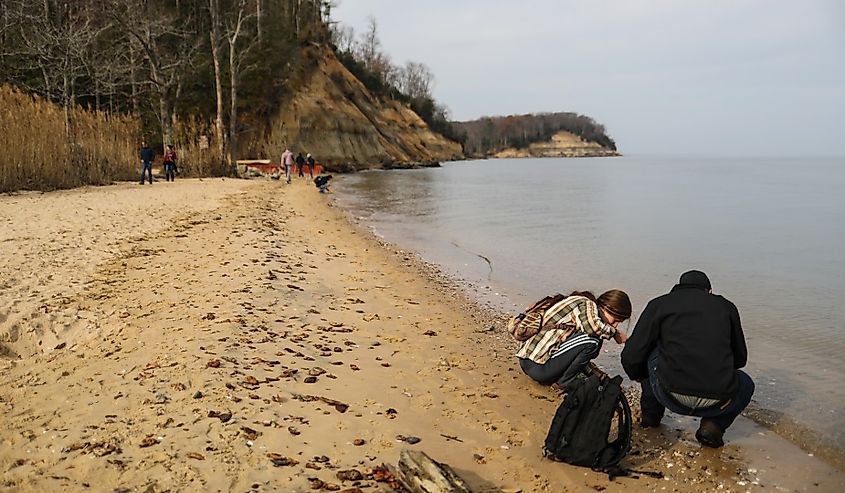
(421, 474)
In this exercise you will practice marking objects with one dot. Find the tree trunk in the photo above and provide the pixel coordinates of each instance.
(296, 16)
(166, 107)
(258, 19)
(233, 109)
(66, 103)
(132, 80)
(218, 78)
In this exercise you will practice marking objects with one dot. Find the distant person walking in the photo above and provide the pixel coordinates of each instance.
(170, 163)
(300, 162)
(311, 163)
(287, 162)
(147, 156)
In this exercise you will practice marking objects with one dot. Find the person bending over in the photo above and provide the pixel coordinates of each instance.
(686, 351)
(572, 335)
(322, 183)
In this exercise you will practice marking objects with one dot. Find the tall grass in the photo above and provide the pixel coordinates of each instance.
(38, 151)
(196, 148)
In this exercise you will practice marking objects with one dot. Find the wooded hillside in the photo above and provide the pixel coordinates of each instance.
(489, 135)
(162, 61)
(213, 72)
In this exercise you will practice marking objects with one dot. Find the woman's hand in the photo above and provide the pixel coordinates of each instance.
(620, 337)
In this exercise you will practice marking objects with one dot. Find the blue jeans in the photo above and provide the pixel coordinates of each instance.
(146, 167)
(566, 363)
(169, 172)
(654, 399)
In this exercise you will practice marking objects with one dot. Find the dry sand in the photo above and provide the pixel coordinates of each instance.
(228, 335)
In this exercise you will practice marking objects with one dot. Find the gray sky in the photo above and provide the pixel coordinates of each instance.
(710, 77)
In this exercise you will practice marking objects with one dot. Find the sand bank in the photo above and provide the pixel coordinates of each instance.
(226, 335)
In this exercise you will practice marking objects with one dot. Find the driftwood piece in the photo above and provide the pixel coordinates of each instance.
(422, 474)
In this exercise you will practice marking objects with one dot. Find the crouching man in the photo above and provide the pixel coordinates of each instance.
(686, 351)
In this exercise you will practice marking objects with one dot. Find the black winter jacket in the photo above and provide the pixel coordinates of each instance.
(699, 341)
(147, 154)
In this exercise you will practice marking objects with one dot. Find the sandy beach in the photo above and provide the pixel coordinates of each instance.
(235, 335)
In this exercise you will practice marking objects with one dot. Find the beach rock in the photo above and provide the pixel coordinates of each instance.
(224, 416)
(281, 461)
(249, 433)
(408, 439)
(350, 475)
(148, 441)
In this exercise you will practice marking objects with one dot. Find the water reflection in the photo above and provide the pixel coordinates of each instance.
(768, 232)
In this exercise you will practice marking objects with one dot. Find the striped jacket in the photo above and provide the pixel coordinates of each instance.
(575, 313)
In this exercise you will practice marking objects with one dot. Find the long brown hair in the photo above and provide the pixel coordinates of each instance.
(614, 301)
(617, 303)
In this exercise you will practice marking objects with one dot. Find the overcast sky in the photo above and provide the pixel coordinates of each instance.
(723, 77)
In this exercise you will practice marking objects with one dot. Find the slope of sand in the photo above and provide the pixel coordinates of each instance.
(226, 335)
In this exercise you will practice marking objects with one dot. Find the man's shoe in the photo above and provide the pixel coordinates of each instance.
(650, 421)
(710, 434)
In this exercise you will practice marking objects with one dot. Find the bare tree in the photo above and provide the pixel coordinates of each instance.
(343, 37)
(258, 19)
(370, 46)
(52, 41)
(237, 25)
(168, 41)
(216, 40)
(415, 80)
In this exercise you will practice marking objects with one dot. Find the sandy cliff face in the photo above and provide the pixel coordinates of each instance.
(335, 118)
(563, 144)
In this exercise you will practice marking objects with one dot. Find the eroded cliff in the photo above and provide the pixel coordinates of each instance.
(334, 117)
(562, 144)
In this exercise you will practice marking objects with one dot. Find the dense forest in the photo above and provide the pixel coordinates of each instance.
(489, 135)
(190, 68)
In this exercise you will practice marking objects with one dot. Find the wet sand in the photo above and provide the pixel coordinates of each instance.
(228, 335)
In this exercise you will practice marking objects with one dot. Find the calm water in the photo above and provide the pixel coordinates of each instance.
(769, 233)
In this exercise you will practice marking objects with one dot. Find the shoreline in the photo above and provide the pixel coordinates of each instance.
(802, 436)
(270, 282)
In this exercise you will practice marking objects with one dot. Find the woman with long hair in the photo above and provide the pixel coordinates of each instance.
(572, 334)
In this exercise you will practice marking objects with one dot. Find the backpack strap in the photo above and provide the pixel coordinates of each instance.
(618, 448)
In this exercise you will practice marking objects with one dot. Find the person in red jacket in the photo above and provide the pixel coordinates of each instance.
(170, 163)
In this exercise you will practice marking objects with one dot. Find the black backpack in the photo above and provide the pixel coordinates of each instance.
(582, 424)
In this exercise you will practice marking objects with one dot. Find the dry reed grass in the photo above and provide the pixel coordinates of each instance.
(195, 146)
(37, 152)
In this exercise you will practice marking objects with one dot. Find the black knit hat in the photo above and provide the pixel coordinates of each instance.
(695, 278)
